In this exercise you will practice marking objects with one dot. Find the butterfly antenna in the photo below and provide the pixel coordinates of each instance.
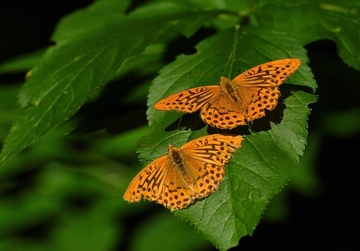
(178, 126)
(249, 125)
(228, 62)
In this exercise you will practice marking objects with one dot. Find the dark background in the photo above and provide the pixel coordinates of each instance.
(322, 215)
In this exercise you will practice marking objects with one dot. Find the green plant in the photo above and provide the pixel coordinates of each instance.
(109, 46)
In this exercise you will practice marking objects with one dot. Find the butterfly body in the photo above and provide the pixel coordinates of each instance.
(177, 158)
(185, 174)
(228, 89)
(235, 102)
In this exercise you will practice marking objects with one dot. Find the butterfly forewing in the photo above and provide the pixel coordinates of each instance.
(148, 182)
(262, 82)
(269, 74)
(189, 100)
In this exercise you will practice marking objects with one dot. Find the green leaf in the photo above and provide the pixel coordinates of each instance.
(82, 62)
(266, 159)
(313, 20)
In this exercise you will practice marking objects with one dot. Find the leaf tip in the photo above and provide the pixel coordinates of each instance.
(29, 74)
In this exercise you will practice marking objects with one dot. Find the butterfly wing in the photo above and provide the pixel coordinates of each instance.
(262, 99)
(259, 85)
(189, 100)
(148, 182)
(205, 159)
(223, 113)
(269, 74)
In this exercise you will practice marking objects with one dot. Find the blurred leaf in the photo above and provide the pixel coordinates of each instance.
(166, 233)
(199, 15)
(93, 231)
(74, 69)
(148, 62)
(336, 20)
(15, 245)
(22, 63)
(118, 145)
(277, 210)
(347, 122)
(8, 108)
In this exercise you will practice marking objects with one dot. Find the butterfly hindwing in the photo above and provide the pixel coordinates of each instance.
(206, 158)
(222, 113)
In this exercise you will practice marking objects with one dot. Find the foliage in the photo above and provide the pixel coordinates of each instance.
(97, 76)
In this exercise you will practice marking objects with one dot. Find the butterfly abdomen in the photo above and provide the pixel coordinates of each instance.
(229, 88)
(177, 159)
(175, 156)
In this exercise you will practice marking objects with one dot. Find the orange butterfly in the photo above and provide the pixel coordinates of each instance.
(235, 102)
(190, 172)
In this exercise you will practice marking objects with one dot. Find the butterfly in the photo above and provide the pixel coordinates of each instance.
(192, 171)
(235, 102)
